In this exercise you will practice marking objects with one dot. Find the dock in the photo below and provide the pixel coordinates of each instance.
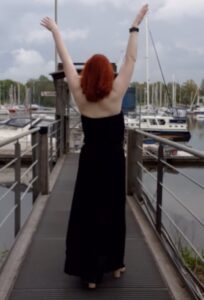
(41, 275)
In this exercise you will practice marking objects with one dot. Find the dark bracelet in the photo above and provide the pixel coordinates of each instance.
(132, 29)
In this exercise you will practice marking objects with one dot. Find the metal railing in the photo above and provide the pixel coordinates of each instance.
(29, 159)
(154, 195)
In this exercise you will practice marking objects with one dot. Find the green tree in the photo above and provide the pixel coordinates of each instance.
(202, 88)
(188, 91)
(5, 95)
(38, 86)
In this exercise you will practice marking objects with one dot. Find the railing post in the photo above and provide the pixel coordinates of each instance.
(43, 161)
(50, 150)
(66, 134)
(58, 137)
(159, 188)
(17, 188)
(134, 155)
(35, 158)
(138, 159)
(130, 151)
(61, 126)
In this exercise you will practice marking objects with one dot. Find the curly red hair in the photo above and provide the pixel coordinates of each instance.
(97, 78)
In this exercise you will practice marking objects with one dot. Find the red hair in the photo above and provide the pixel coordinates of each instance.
(97, 78)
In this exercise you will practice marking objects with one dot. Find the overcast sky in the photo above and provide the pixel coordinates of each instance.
(101, 26)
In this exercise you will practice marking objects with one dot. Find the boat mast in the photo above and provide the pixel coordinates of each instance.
(147, 56)
(173, 91)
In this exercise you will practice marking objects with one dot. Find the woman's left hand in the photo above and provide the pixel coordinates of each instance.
(49, 23)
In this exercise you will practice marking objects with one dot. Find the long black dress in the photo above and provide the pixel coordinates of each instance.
(96, 231)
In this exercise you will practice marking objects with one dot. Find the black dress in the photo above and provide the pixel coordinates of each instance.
(96, 231)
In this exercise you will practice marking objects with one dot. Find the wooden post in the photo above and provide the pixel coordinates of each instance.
(61, 107)
(17, 188)
(35, 170)
(43, 161)
(159, 188)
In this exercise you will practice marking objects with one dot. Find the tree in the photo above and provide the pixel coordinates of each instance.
(202, 88)
(188, 91)
(38, 86)
(5, 88)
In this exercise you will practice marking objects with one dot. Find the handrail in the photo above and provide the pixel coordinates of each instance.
(8, 164)
(8, 191)
(18, 136)
(8, 215)
(173, 168)
(183, 235)
(43, 139)
(151, 202)
(174, 196)
(184, 174)
(173, 144)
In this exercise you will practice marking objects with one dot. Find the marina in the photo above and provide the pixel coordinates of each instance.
(183, 163)
(156, 183)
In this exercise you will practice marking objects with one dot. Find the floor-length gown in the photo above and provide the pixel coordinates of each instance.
(95, 241)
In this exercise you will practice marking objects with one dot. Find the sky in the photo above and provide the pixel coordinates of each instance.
(101, 26)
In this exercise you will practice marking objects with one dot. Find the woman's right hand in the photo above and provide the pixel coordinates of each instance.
(49, 23)
(140, 15)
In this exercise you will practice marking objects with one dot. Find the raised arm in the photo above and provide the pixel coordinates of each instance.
(69, 68)
(122, 81)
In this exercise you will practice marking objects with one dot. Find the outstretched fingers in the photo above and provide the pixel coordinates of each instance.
(142, 13)
(47, 23)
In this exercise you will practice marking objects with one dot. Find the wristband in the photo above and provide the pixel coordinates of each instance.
(133, 29)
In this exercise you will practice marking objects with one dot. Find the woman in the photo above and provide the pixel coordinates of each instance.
(96, 231)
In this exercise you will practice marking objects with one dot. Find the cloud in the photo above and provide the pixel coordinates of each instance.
(90, 26)
(28, 57)
(42, 36)
(27, 64)
(189, 48)
(37, 37)
(49, 2)
(125, 4)
(84, 2)
(125, 22)
(75, 34)
(172, 10)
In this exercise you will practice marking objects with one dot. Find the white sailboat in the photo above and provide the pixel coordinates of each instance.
(197, 111)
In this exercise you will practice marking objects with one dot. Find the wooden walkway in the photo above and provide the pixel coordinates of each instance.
(41, 276)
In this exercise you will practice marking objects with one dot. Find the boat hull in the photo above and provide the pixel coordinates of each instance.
(171, 135)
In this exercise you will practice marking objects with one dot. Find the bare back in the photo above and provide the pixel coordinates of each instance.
(110, 105)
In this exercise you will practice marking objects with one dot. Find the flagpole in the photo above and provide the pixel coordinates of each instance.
(56, 20)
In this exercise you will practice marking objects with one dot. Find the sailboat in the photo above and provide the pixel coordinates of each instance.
(197, 110)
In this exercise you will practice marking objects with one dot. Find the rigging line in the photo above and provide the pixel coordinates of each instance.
(170, 100)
